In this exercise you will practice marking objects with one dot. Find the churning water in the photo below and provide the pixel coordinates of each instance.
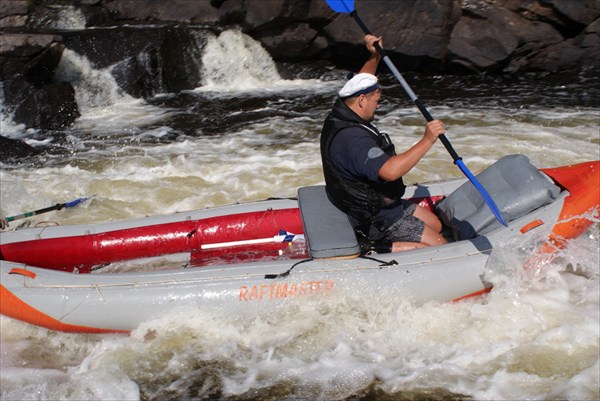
(248, 134)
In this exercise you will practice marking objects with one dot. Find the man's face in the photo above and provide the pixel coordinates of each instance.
(370, 103)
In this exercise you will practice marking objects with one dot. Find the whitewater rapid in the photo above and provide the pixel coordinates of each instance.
(535, 336)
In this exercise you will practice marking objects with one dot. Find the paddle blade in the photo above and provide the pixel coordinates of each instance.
(341, 6)
(486, 197)
(75, 202)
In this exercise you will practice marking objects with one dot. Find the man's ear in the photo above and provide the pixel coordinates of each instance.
(360, 100)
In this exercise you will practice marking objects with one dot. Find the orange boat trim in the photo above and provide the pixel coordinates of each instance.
(583, 183)
(474, 294)
(531, 225)
(14, 307)
(22, 272)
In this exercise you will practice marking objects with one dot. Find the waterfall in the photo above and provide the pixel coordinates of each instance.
(103, 105)
(8, 128)
(93, 88)
(62, 17)
(234, 61)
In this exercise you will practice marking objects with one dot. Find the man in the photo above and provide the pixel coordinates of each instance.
(363, 173)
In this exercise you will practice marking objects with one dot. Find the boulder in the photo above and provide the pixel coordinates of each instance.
(583, 12)
(40, 69)
(51, 107)
(150, 60)
(292, 43)
(27, 66)
(489, 38)
(580, 53)
(414, 28)
(13, 14)
(13, 149)
(19, 50)
(415, 33)
(98, 45)
(150, 11)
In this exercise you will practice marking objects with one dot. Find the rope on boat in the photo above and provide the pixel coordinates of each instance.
(383, 262)
(287, 272)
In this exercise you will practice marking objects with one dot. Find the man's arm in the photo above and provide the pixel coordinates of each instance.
(401, 164)
(371, 64)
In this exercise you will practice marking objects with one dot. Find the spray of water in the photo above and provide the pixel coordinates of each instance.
(233, 62)
(252, 65)
(62, 17)
(104, 106)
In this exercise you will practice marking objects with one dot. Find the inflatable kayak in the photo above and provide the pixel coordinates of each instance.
(247, 258)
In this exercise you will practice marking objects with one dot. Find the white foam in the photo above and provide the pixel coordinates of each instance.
(67, 18)
(103, 105)
(535, 336)
(233, 62)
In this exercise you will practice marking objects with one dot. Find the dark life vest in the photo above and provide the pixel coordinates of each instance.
(359, 197)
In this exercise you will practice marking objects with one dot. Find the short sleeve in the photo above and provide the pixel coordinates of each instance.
(356, 153)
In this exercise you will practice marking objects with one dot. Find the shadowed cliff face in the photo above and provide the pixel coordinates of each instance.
(153, 46)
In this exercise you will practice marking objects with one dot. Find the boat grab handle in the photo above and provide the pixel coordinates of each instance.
(22, 272)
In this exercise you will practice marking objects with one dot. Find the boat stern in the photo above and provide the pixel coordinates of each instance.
(582, 206)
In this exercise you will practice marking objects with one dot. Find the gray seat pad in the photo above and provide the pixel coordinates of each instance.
(516, 186)
(327, 230)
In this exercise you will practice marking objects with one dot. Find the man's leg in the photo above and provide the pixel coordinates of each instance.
(433, 227)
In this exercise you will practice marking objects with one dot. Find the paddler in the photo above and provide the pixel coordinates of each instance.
(363, 173)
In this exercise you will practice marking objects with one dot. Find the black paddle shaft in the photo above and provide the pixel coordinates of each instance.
(406, 87)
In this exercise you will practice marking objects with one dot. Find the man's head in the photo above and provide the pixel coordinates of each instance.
(361, 94)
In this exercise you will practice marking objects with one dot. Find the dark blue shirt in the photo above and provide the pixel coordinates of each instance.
(356, 153)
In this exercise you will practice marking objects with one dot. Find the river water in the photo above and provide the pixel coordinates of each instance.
(251, 132)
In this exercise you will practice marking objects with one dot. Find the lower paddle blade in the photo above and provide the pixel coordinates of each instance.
(486, 197)
(341, 6)
(75, 202)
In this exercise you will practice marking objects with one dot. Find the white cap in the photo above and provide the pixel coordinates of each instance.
(359, 84)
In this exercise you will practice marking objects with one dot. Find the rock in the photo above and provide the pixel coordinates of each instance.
(260, 13)
(13, 149)
(26, 44)
(40, 69)
(415, 33)
(150, 60)
(488, 38)
(13, 7)
(179, 56)
(164, 11)
(568, 54)
(21, 54)
(583, 12)
(52, 107)
(98, 45)
(27, 66)
(296, 42)
(576, 54)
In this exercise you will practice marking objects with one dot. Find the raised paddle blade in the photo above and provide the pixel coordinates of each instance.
(341, 6)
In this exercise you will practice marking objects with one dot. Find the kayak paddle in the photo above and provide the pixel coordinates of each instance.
(347, 7)
(58, 206)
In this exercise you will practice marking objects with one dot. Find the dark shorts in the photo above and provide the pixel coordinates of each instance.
(396, 224)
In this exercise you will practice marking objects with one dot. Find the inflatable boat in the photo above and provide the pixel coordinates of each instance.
(247, 258)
